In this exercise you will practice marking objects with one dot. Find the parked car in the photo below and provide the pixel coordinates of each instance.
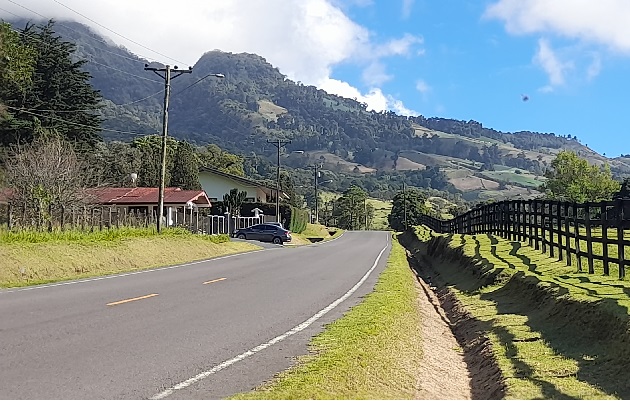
(267, 232)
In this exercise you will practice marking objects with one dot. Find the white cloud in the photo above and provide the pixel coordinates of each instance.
(375, 98)
(407, 7)
(305, 39)
(422, 86)
(595, 67)
(375, 74)
(603, 22)
(398, 47)
(555, 68)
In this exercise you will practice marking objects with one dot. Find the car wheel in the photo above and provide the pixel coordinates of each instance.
(241, 236)
(277, 240)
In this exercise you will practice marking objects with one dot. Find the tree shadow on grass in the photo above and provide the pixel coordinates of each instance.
(591, 334)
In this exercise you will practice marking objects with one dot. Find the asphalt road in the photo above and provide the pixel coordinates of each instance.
(203, 330)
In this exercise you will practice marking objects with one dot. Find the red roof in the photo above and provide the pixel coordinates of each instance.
(144, 196)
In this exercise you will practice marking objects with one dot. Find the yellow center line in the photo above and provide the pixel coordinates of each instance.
(124, 301)
(214, 281)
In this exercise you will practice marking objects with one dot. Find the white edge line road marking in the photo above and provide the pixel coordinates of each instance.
(37, 287)
(180, 386)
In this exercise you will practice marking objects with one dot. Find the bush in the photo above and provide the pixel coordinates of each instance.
(299, 220)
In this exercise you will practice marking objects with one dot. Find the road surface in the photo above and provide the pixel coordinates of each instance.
(202, 330)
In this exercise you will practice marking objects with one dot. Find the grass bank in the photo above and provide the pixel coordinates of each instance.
(29, 258)
(555, 333)
(371, 353)
(315, 231)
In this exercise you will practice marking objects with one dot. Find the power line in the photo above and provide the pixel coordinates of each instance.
(96, 62)
(79, 124)
(81, 33)
(197, 81)
(116, 33)
(124, 72)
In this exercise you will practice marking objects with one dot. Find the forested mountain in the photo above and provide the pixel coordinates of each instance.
(255, 103)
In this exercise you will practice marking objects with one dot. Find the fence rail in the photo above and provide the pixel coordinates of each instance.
(595, 233)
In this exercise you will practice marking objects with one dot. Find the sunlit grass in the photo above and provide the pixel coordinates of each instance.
(556, 333)
(373, 352)
(28, 258)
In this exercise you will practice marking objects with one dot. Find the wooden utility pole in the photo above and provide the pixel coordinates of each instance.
(167, 91)
(316, 169)
(278, 143)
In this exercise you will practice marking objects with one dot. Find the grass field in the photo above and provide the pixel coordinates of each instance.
(29, 258)
(382, 209)
(315, 231)
(371, 353)
(556, 334)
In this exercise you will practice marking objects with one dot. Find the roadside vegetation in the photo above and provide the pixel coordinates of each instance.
(315, 233)
(29, 258)
(555, 333)
(371, 353)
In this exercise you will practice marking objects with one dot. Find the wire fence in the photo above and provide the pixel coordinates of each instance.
(22, 216)
(591, 235)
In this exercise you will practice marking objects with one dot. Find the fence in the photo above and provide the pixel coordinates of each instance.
(90, 218)
(569, 231)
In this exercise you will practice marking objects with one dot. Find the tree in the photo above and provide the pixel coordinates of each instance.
(573, 179)
(58, 99)
(350, 210)
(16, 63)
(185, 170)
(415, 203)
(47, 172)
(233, 201)
(214, 156)
(624, 191)
(149, 170)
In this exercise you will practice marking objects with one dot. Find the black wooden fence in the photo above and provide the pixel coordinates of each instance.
(596, 232)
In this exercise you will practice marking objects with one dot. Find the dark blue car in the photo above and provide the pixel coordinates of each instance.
(264, 232)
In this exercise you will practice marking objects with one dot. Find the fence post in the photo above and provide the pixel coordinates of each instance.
(559, 207)
(63, 217)
(620, 239)
(567, 234)
(9, 215)
(604, 222)
(589, 239)
(576, 233)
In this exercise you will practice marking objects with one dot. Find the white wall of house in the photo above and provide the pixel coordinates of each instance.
(216, 186)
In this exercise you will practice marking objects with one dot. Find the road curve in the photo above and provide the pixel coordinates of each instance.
(204, 330)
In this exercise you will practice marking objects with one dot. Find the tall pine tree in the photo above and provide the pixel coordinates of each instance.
(59, 98)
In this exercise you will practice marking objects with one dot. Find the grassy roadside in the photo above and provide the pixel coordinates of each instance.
(371, 353)
(314, 231)
(556, 334)
(37, 258)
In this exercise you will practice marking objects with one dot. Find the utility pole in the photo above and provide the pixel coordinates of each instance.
(167, 92)
(404, 206)
(278, 143)
(316, 168)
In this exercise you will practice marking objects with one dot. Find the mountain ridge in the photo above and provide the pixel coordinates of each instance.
(255, 102)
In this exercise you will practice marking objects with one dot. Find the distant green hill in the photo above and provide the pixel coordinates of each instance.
(255, 102)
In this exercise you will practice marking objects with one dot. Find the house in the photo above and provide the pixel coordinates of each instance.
(142, 200)
(217, 183)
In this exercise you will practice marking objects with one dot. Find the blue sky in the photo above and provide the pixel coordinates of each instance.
(470, 67)
(462, 59)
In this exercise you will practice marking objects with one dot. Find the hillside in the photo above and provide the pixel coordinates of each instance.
(255, 102)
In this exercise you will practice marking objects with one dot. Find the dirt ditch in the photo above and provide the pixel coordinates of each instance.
(458, 361)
